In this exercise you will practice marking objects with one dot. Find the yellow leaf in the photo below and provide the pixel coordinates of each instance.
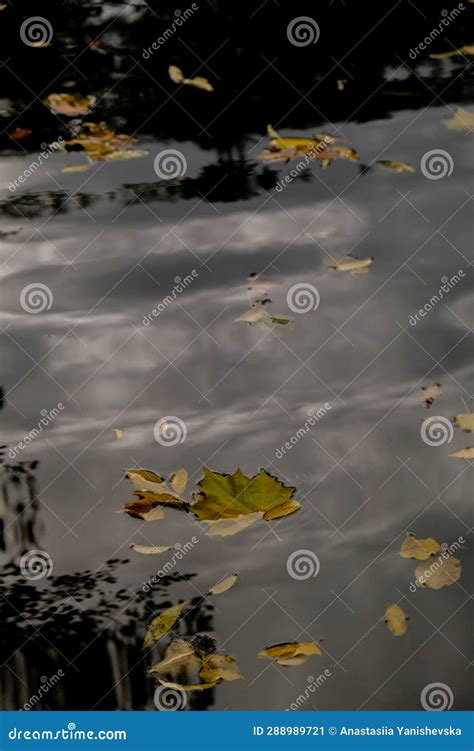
(297, 143)
(122, 154)
(179, 480)
(70, 105)
(229, 496)
(223, 585)
(177, 76)
(77, 168)
(290, 653)
(465, 422)
(229, 527)
(144, 479)
(283, 510)
(395, 619)
(163, 623)
(119, 433)
(419, 549)
(397, 166)
(149, 550)
(467, 453)
(348, 263)
(153, 515)
(468, 49)
(443, 572)
(188, 687)
(462, 120)
(216, 667)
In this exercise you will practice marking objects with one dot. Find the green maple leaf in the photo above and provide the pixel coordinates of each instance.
(229, 496)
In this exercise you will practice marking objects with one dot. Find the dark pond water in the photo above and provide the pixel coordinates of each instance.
(109, 245)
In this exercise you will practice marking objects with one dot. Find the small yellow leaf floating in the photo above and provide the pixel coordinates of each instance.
(73, 168)
(119, 433)
(100, 143)
(149, 550)
(420, 549)
(223, 585)
(194, 665)
(396, 166)
(177, 76)
(352, 264)
(152, 491)
(430, 393)
(148, 501)
(465, 422)
(396, 619)
(260, 315)
(462, 120)
(290, 653)
(228, 527)
(179, 480)
(144, 479)
(284, 148)
(441, 573)
(468, 49)
(163, 623)
(226, 496)
(70, 105)
(467, 453)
